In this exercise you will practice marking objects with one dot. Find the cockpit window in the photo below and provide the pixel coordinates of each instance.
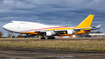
(11, 22)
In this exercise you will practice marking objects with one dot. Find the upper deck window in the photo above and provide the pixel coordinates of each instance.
(11, 22)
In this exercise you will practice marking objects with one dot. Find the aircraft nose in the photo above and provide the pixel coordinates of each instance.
(5, 27)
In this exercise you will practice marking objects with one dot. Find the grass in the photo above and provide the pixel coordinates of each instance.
(75, 45)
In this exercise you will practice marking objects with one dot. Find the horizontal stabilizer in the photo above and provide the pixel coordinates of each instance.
(98, 26)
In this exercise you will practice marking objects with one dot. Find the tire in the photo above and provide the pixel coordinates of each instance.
(51, 37)
(48, 37)
(42, 37)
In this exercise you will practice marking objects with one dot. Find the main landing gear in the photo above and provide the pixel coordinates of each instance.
(48, 37)
(42, 37)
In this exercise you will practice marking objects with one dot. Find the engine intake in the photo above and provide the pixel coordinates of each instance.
(70, 31)
(49, 33)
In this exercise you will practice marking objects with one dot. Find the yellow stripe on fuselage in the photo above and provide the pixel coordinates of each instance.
(32, 32)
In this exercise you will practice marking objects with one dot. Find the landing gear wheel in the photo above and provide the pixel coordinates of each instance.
(50, 37)
(42, 37)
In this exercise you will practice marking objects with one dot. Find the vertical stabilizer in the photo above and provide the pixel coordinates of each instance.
(86, 22)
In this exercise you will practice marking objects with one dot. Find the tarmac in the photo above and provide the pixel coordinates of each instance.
(16, 54)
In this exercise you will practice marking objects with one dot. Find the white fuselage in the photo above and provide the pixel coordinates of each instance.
(21, 26)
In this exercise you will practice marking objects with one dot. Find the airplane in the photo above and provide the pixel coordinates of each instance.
(50, 31)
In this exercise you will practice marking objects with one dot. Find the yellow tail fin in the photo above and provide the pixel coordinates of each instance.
(86, 22)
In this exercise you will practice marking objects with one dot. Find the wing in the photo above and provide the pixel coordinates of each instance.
(67, 31)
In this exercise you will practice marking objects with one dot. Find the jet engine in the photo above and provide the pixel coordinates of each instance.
(49, 33)
(70, 31)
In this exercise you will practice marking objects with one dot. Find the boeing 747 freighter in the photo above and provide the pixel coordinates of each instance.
(49, 31)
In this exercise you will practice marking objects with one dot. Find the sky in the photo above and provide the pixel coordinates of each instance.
(52, 12)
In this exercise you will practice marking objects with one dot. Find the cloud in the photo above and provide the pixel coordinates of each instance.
(73, 4)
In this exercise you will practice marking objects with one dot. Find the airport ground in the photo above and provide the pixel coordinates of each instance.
(50, 54)
(31, 48)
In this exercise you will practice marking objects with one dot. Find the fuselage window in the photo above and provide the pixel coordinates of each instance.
(22, 23)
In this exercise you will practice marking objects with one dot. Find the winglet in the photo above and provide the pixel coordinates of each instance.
(98, 26)
(86, 22)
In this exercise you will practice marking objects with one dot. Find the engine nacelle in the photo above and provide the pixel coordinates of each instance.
(70, 31)
(50, 33)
